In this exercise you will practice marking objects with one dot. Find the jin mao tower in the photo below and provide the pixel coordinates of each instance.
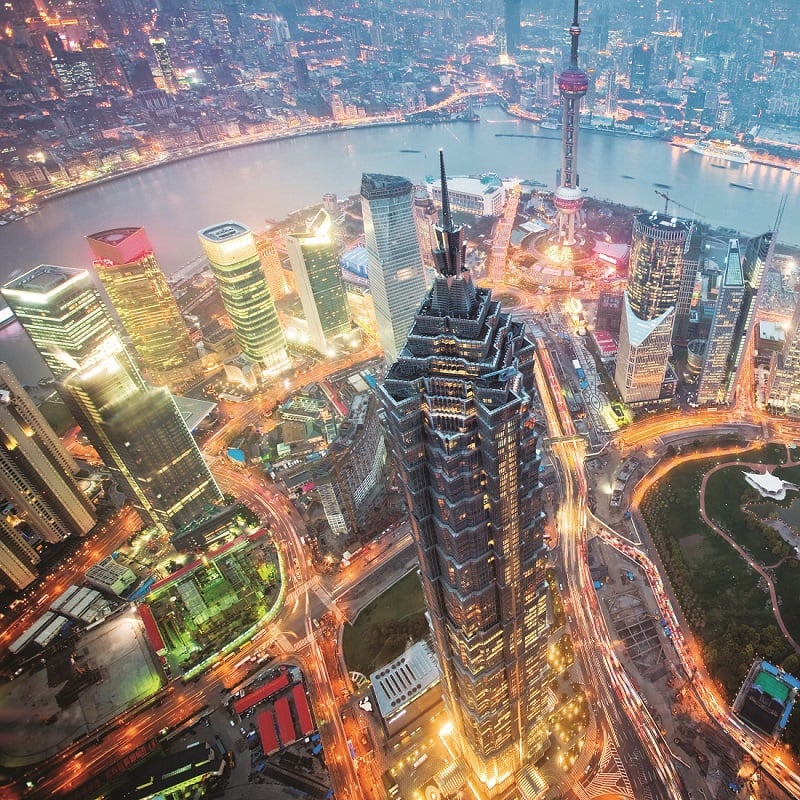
(458, 402)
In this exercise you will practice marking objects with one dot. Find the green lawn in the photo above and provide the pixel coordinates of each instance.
(383, 628)
(719, 593)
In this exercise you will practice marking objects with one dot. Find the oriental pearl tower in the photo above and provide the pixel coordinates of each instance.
(573, 83)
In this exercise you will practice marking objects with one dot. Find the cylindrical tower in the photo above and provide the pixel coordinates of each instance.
(656, 263)
(573, 83)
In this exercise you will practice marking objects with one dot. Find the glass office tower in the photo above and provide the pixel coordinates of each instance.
(458, 403)
(137, 430)
(37, 474)
(648, 318)
(232, 254)
(315, 264)
(138, 290)
(713, 384)
(62, 312)
(394, 264)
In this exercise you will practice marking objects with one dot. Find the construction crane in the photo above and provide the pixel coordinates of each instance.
(668, 200)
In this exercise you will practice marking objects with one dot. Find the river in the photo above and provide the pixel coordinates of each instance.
(269, 180)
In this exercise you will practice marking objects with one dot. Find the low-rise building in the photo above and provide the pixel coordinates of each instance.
(111, 576)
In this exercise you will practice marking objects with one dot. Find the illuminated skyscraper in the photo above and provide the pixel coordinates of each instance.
(315, 263)
(164, 62)
(757, 259)
(138, 290)
(137, 430)
(713, 385)
(648, 315)
(232, 254)
(273, 269)
(573, 83)
(394, 263)
(62, 312)
(458, 403)
(39, 496)
(142, 437)
(656, 263)
(18, 559)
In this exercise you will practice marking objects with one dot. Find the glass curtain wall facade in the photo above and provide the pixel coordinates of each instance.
(713, 383)
(394, 263)
(36, 471)
(315, 263)
(127, 267)
(233, 257)
(137, 430)
(62, 312)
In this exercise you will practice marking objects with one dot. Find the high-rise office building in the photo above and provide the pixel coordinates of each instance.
(61, 310)
(783, 383)
(271, 262)
(656, 263)
(426, 217)
(573, 83)
(164, 62)
(127, 267)
(394, 262)
(713, 384)
(233, 257)
(137, 430)
(314, 257)
(37, 474)
(648, 315)
(18, 559)
(512, 8)
(642, 353)
(758, 255)
(459, 408)
(641, 67)
(142, 437)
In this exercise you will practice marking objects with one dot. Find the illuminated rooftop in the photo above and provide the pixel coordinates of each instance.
(223, 231)
(43, 279)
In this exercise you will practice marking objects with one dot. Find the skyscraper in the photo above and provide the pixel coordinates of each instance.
(127, 268)
(458, 403)
(512, 25)
(713, 385)
(648, 314)
(656, 263)
(164, 62)
(394, 263)
(37, 474)
(232, 254)
(757, 258)
(315, 263)
(61, 310)
(137, 430)
(573, 83)
(142, 437)
(271, 262)
(783, 384)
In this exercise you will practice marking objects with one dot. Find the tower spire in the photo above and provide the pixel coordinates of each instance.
(574, 32)
(573, 83)
(450, 252)
(447, 217)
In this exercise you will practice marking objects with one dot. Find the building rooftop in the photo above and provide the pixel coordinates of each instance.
(402, 680)
(43, 279)
(223, 231)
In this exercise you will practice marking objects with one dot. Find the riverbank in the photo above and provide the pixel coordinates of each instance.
(217, 147)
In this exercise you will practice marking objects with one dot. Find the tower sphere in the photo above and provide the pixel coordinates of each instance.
(573, 81)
